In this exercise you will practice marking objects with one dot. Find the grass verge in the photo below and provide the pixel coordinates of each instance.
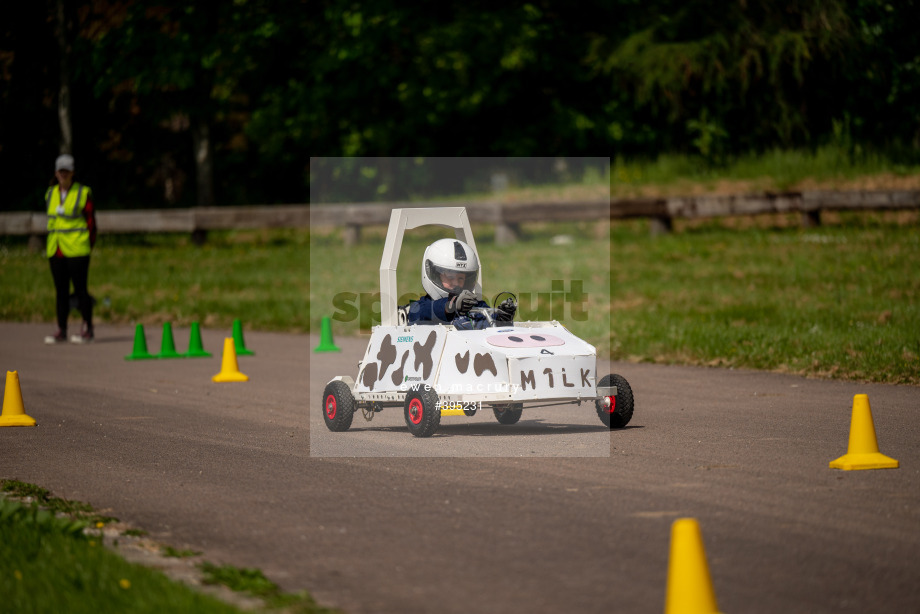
(48, 564)
(53, 559)
(254, 582)
(80, 512)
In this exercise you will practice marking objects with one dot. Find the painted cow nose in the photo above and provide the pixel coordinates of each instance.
(524, 340)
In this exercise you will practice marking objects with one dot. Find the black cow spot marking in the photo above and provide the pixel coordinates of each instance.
(483, 363)
(398, 373)
(463, 362)
(386, 355)
(423, 354)
(369, 375)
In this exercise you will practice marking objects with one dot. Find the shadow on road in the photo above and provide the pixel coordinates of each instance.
(522, 428)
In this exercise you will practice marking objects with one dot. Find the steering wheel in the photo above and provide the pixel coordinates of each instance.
(503, 293)
(489, 312)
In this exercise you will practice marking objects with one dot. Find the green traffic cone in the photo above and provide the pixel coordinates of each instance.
(167, 345)
(238, 344)
(140, 345)
(195, 347)
(325, 338)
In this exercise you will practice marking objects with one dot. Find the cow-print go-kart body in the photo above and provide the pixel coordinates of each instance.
(435, 370)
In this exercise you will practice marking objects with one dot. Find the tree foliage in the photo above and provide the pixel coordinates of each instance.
(741, 71)
(166, 94)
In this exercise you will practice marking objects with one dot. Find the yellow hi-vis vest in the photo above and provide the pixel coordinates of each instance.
(67, 228)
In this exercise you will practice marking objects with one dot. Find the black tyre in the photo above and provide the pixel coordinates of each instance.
(338, 406)
(620, 411)
(423, 412)
(508, 414)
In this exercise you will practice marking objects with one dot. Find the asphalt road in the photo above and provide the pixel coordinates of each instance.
(552, 514)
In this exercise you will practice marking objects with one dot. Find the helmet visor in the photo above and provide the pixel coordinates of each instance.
(451, 281)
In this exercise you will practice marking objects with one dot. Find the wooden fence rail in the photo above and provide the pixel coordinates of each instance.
(506, 217)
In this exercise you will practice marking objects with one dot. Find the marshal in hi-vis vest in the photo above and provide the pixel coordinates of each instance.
(67, 228)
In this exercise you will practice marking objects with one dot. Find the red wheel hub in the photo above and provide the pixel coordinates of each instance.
(415, 411)
(330, 407)
(613, 404)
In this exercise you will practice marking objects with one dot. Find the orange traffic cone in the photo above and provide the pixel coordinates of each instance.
(229, 368)
(862, 451)
(689, 583)
(14, 414)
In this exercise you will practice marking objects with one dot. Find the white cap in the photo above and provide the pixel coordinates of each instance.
(63, 163)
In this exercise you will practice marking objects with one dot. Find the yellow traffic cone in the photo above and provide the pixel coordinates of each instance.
(689, 584)
(14, 414)
(229, 368)
(862, 451)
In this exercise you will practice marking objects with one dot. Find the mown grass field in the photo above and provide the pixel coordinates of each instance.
(833, 166)
(839, 301)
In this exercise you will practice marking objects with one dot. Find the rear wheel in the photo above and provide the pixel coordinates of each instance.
(508, 414)
(617, 411)
(423, 414)
(338, 406)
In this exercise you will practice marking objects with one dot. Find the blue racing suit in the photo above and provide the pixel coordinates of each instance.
(431, 311)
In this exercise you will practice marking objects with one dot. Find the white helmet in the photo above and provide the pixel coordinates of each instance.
(443, 262)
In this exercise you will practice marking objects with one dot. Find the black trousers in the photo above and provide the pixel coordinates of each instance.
(64, 271)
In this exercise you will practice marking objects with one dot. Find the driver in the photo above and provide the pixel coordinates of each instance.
(450, 270)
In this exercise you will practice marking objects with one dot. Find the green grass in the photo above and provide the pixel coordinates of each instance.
(48, 565)
(134, 533)
(78, 510)
(171, 552)
(837, 301)
(254, 582)
(258, 277)
(52, 559)
(833, 166)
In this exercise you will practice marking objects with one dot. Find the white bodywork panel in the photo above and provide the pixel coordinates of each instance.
(549, 363)
(397, 358)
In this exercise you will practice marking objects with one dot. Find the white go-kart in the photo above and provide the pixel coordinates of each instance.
(436, 370)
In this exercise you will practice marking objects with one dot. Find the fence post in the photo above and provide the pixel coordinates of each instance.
(810, 219)
(660, 225)
(199, 236)
(36, 244)
(351, 234)
(507, 233)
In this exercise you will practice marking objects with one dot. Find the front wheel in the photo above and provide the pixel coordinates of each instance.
(508, 414)
(423, 411)
(338, 406)
(618, 410)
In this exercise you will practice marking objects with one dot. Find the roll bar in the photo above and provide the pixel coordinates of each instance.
(407, 219)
